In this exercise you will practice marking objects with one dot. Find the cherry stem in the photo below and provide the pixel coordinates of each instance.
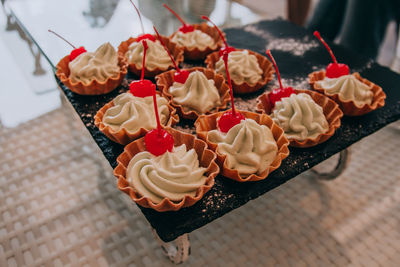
(140, 17)
(62, 38)
(176, 15)
(144, 58)
(225, 58)
(316, 34)
(276, 67)
(216, 27)
(156, 110)
(166, 49)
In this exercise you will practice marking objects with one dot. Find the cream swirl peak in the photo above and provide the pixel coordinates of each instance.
(172, 175)
(132, 113)
(156, 56)
(99, 65)
(249, 147)
(300, 117)
(197, 93)
(243, 67)
(194, 39)
(349, 88)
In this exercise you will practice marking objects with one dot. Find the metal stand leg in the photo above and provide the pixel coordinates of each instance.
(177, 251)
(344, 158)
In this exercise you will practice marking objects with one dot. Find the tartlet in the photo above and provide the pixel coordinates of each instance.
(166, 79)
(94, 87)
(206, 123)
(122, 136)
(244, 88)
(177, 53)
(206, 158)
(331, 110)
(349, 108)
(199, 54)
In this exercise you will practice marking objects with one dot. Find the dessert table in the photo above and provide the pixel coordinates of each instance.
(298, 53)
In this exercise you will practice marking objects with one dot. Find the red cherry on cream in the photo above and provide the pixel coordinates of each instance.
(226, 48)
(180, 76)
(142, 88)
(185, 28)
(158, 141)
(231, 117)
(146, 36)
(228, 120)
(278, 93)
(74, 53)
(335, 69)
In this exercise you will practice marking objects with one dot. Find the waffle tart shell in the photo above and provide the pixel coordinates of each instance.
(122, 136)
(176, 52)
(206, 123)
(348, 107)
(245, 88)
(332, 112)
(206, 159)
(94, 87)
(166, 79)
(199, 54)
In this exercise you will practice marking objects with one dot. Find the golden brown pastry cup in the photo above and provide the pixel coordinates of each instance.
(166, 79)
(245, 88)
(197, 54)
(331, 110)
(206, 160)
(206, 123)
(94, 87)
(176, 52)
(122, 136)
(348, 107)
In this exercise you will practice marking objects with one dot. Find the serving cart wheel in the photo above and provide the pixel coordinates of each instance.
(178, 250)
(344, 158)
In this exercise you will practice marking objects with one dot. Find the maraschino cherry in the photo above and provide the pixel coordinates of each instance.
(158, 141)
(180, 76)
(185, 28)
(232, 117)
(74, 53)
(281, 92)
(335, 69)
(142, 87)
(226, 48)
(143, 36)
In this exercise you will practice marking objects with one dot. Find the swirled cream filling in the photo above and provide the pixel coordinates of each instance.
(156, 56)
(349, 88)
(99, 65)
(172, 175)
(197, 93)
(249, 147)
(194, 39)
(243, 67)
(132, 113)
(300, 117)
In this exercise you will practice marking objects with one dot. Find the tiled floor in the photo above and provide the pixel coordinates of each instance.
(60, 206)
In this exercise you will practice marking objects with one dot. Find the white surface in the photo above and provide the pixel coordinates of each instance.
(18, 100)
(67, 19)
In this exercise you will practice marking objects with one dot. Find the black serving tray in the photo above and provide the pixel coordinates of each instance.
(297, 53)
